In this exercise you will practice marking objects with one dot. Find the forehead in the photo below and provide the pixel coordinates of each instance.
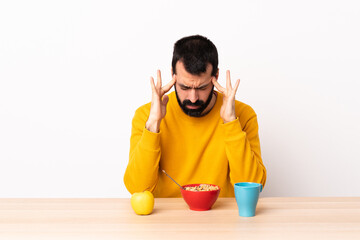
(188, 79)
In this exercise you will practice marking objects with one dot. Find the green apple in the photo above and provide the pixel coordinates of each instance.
(142, 202)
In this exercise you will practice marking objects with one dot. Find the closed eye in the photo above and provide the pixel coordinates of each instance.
(185, 88)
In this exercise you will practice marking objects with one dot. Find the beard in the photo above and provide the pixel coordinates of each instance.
(199, 103)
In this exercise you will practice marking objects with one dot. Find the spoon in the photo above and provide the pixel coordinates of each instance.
(173, 180)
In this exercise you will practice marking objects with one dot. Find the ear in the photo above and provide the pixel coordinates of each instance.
(172, 72)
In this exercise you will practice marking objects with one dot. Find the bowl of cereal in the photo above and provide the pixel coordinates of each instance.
(200, 197)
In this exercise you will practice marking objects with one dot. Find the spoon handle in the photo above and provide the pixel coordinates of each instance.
(173, 180)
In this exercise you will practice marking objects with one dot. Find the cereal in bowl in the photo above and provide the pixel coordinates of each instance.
(202, 187)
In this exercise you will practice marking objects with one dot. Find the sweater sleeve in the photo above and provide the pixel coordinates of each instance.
(142, 170)
(242, 147)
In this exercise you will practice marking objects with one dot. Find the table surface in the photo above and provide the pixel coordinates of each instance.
(276, 218)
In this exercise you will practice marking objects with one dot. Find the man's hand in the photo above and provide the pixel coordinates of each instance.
(158, 105)
(227, 111)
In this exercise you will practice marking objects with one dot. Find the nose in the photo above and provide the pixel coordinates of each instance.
(193, 95)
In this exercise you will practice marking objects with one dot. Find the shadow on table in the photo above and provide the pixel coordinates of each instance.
(260, 210)
(222, 204)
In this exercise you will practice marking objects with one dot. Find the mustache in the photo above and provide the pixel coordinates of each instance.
(195, 104)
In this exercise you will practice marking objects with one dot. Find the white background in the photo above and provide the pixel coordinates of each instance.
(72, 74)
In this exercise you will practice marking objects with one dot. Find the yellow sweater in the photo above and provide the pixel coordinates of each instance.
(194, 150)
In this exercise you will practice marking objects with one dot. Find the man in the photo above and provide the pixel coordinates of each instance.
(196, 134)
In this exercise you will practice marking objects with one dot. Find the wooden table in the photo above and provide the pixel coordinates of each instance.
(276, 218)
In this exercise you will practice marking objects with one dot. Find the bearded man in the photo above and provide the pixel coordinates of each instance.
(196, 134)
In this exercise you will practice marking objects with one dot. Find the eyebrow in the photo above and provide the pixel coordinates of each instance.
(202, 86)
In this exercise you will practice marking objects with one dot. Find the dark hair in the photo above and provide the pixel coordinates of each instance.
(195, 52)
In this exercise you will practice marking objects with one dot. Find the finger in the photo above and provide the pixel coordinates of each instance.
(228, 80)
(217, 85)
(237, 84)
(165, 100)
(168, 86)
(159, 83)
(152, 84)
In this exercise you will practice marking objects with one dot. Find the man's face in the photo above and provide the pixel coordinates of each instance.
(193, 92)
